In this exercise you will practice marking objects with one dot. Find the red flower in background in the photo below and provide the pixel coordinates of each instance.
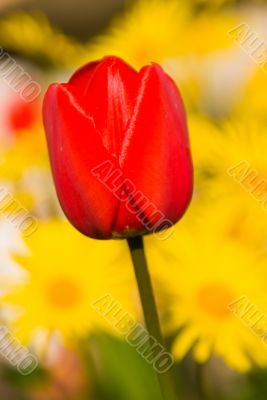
(22, 115)
(119, 149)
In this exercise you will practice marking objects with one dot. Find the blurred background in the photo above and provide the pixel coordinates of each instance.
(82, 19)
(216, 52)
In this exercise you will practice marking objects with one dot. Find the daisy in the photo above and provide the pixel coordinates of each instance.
(67, 272)
(202, 276)
(220, 147)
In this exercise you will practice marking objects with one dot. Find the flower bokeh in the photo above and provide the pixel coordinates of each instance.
(217, 253)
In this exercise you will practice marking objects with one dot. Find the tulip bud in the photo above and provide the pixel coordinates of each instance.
(119, 149)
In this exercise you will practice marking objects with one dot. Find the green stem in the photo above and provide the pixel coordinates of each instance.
(149, 307)
(200, 381)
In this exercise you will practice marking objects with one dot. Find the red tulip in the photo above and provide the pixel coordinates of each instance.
(119, 149)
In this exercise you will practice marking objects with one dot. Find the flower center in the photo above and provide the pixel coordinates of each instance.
(214, 300)
(237, 230)
(63, 293)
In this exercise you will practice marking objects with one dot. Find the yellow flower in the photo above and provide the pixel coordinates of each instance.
(254, 96)
(235, 218)
(203, 275)
(160, 30)
(218, 148)
(230, 179)
(67, 272)
(33, 36)
(198, 39)
(203, 137)
(149, 31)
(27, 150)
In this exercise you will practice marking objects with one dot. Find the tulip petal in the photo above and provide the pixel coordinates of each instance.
(81, 79)
(75, 148)
(111, 90)
(155, 153)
